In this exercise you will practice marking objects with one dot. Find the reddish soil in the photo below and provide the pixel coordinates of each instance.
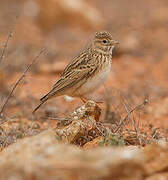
(139, 67)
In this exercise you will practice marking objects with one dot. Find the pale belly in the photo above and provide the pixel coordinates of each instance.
(93, 83)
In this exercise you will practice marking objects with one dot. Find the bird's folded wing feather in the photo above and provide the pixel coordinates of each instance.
(76, 73)
(74, 77)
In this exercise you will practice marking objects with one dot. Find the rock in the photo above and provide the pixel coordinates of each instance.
(68, 12)
(80, 126)
(94, 143)
(156, 156)
(158, 176)
(41, 157)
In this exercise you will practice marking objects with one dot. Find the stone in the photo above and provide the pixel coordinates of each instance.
(156, 156)
(81, 124)
(42, 157)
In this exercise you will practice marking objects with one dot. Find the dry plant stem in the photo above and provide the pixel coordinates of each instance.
(140, 140)
(18, 81)
(128, 114)
(154, 133)
(54, 118)
(6, 43)
(95, 126)
(133, 122)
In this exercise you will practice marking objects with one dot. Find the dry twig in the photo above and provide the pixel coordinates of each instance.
(94, 123)
(134, 123)
(55, 118)
(10, 33)
(129, 113)
(127, 110)
(18, 81)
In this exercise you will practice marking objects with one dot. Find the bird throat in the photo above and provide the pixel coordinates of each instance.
(105, 51)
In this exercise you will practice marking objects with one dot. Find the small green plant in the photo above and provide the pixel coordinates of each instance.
(112, 140)
(20, 135)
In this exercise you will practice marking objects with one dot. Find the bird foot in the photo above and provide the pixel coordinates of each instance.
(85, 100)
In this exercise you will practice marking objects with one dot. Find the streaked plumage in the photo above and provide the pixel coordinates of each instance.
(86, 72)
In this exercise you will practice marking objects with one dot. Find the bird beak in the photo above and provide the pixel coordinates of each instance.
(114, 42)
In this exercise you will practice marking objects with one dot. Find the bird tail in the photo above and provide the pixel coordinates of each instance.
(43, 100)
(38, 107)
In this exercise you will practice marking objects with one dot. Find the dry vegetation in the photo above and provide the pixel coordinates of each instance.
(66, 139)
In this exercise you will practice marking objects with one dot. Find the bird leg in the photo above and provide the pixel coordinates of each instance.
(84, 100)
(99, 102)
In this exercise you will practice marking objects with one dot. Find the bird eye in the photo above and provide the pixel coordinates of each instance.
(104, 41)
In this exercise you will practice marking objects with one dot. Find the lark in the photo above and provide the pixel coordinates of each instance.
(87, 71)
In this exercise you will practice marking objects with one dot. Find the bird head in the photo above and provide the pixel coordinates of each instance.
(103, 42)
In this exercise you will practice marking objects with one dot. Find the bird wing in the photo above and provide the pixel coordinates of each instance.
(76, 73)
(81, 60)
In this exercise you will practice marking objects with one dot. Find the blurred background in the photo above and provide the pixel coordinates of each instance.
(64, 27)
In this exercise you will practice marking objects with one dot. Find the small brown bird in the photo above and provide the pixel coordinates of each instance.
(86, 72)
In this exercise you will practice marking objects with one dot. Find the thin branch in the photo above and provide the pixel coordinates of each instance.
(18, 81)
(129, 113)
(133, 121)
(94, 123)
(55, 118)
(10, 33)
